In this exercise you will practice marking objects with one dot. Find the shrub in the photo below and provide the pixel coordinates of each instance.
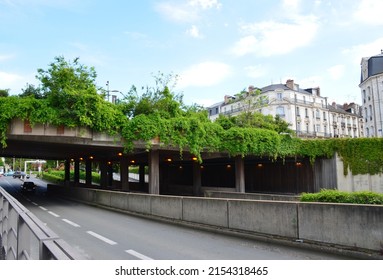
(334, 196)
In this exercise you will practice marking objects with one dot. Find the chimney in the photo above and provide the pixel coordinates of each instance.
(226, 99)
(290, 84)
(251, 89)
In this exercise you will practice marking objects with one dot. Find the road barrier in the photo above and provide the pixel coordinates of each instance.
(24, 237)
(349, 228)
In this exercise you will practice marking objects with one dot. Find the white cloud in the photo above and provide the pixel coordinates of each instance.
(178, 13)
(291, 4)
(13, 81)
(370, 12)
(194, 32)
(204, 74)
(186, 12)
(364, 50)
(255, 71)
(5, 57)
(206, 4)
(269, 38)
(336, 72)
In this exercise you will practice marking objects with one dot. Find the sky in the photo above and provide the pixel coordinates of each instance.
(214, 47)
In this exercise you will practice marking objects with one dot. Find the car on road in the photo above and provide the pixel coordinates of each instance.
(18, 174)
(28, 187)
(9, 173)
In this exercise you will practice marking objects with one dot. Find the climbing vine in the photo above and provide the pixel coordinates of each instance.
(158, 116)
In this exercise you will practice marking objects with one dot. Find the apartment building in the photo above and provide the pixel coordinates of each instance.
(307, 112)
(371, 86)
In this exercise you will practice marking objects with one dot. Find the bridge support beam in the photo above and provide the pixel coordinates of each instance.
(141, 172)
(239, 174)
(103, 174)
(110, 174)
(154, 172)
(67, 171)
(88, 172)
(124, 174)
(196, 179)
(76, 172)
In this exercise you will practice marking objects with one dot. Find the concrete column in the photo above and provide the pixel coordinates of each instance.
(67, 170)
(141, 171)
(103, 174)
(76, 172)
(154, 172)
(88, 172)
(124, 174)
(196, 179)
(110, 174)
(239, 174)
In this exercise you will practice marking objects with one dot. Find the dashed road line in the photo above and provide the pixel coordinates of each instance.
(54, 214)
(106, 240)
(71, 223)
(138, 255)
(43, 208)
(34, 203)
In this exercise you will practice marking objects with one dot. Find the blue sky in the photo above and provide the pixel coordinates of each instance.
(217, 47)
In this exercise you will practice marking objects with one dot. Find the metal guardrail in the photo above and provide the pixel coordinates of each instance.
(24, 237)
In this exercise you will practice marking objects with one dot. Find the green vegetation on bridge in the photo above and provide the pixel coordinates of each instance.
(68, 96)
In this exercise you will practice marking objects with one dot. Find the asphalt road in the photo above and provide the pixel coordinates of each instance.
(107, 235)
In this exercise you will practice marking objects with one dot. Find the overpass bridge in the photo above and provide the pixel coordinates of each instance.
(169, 172)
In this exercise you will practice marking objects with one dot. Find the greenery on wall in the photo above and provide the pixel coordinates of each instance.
(335, 196)
(68, 96)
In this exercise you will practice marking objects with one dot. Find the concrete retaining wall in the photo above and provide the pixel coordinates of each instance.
(355, 227)
(344, 224)
(253, 196)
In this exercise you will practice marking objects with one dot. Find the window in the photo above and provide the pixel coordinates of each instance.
(279, 95)
(317, 128)
(298, 114)
(370, 112)
(306, 112)
(317, 114)
(364, 96)
(281, 111)
(324, 116)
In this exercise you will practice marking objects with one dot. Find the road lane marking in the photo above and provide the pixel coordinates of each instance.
(71, 223)
(106, 240)
(138, 255)
(53, 214)
(34, 203)
(42, 208)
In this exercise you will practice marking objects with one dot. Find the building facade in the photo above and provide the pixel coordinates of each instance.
(307, 112)
(371, 86)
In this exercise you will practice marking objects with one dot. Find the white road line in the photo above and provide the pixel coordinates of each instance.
(34, 203)
(42, 208)
(53, 214)
(111, 242)
(71, 223)
(138, 255)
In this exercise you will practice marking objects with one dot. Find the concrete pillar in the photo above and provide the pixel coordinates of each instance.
(124, 174)
(154, 172)
(103, 174)
(76, 172)
(110, 174)
(196, 179)
(67, 170)
(239, 174)
(141, 171)
(88, 172)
